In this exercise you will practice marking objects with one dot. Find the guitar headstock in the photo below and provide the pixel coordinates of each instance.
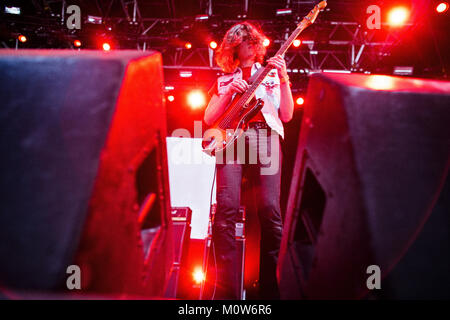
(312, 15)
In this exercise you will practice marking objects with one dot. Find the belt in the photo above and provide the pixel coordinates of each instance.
(258, 125)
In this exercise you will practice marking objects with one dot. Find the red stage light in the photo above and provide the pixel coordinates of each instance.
(300, 101)
(198, 275)
(398, 16)
(213, 45)
(196, 99)
(22, 38)
(380, 82)
(77, 43)
(266, 42)
(442, 7)
(296, 43)
(188, 45)
(171, 98)
(106, 46)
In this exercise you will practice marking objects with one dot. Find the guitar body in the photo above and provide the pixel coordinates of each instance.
(219, 137)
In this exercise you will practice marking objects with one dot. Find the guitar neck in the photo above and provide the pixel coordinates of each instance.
(291, 39)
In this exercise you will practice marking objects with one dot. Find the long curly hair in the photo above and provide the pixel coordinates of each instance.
(227, 53)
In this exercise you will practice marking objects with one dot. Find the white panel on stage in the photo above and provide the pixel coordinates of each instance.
(191, 174)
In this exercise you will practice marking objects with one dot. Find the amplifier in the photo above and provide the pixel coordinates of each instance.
(181, 231)
(181, 223)
(208, 291)
(240, 222)
(181, 214)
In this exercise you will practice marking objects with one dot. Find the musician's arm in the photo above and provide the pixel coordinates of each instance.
(286, 102)
(218, 103)
(216, 107)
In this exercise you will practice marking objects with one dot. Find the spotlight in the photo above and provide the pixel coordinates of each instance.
(213, 45)
(442, 7)
(12, 10)
(94, 20)
(266, 42)
(300, 101)
(171, 98)
(196, 99)
(188, 45)
(22, 38)
(337, 71)
(198, 275)
(201, 17)
(106, 46)
(77, 43)
(284, 12)
(398, 16)
(296, 43)
(403, 71)
(185, 74)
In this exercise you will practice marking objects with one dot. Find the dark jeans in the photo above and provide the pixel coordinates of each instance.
(267, 188)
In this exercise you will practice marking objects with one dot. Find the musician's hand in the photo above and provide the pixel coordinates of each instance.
(238, 86)
(278, 63)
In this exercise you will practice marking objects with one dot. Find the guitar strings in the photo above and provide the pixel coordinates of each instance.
(227, 119)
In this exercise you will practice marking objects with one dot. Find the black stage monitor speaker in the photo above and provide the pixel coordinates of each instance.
(368, 191)
(181, 232)
(83, 170)
(211, 286)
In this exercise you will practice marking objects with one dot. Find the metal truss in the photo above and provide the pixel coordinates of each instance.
(345, 46)
(336, 45)
(48, 21)
(131, 12)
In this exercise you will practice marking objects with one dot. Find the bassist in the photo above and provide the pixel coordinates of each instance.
(240, 55)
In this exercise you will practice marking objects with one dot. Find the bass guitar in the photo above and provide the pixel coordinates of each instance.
(232, 123)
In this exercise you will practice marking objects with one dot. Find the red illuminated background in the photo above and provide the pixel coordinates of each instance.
(413, 34)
